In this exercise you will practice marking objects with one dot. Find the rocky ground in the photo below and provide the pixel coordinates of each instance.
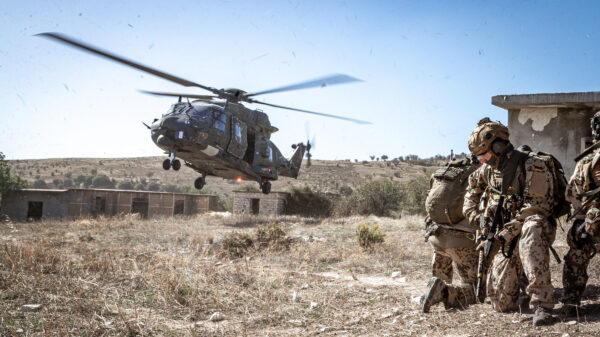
(188, 277)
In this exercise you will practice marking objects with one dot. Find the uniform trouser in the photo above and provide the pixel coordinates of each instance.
(575, 275)
(465, 260)
(532, 256)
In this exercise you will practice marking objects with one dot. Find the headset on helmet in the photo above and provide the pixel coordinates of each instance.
(490, 137)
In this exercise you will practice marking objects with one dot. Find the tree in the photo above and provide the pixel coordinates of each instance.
(39, 183)
(125, 185)
(384, 157)
(7, 181)
(102, 181)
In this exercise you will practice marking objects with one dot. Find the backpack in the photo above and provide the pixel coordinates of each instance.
(560, 204)
(447, 189)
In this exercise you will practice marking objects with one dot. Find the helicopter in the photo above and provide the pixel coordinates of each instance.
(216, 134)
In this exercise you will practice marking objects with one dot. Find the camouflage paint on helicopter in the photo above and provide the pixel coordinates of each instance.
(217, 135)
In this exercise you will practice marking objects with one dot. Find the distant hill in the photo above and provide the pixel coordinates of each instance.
(324, 175)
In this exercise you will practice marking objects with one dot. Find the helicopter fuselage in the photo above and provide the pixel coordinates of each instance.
(227, 140)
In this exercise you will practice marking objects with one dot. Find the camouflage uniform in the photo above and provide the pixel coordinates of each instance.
(459, 247)
(529, 202)
(585, 178)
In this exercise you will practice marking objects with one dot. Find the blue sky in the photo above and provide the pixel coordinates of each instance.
(429, 68)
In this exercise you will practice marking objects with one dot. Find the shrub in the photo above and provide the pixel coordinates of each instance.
(306, 202)
(368, 235)
(270, 233)
(414, 195)
(236, 244)
(125, 185)
(102, 181)
(153, 186)
(378, 197)
(39, 183)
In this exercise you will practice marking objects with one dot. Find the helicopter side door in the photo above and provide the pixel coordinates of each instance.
(220, 129)
(238, 142)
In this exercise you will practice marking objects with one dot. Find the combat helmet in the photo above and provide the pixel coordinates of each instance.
(490, 137)
(595, 124)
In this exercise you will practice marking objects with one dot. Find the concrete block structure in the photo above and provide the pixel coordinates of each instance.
(258, 203)
(73, 203)
(554, 123)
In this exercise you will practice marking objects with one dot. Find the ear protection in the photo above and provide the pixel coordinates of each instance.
(498, 146)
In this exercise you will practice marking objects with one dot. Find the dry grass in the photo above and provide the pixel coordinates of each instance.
(166, 277)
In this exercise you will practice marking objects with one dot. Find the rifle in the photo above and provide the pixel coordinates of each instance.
(484, 254)
(590, 196)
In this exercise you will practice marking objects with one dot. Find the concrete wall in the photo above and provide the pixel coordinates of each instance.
(558, 131)
(269, 204)
(75, 203)
(15, 204)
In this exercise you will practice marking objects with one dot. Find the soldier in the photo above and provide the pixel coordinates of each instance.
(451, 236)
(520, 187)
(583, 193)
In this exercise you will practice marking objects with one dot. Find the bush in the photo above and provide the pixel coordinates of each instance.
(414, 195)
(368, 235)
(378, 197)
(102, 181)
(125, 185)
(270, 233)
(306, 202)
(153, 186)
(236, 244)
(39, 183)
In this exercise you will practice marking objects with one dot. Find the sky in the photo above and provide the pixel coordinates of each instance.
(428, 69)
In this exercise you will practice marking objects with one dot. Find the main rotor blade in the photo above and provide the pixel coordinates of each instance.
(317, 82)
(94, 50)
(175, 94)
(310, 112)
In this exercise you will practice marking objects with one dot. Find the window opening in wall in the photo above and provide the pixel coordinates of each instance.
(35, 210)
(140, 206)
(178, 207)
(100, 205)
(255, 205)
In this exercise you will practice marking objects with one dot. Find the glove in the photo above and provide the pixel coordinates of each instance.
(510, 231)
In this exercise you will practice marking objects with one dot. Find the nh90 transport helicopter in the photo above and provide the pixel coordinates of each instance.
(217, 135)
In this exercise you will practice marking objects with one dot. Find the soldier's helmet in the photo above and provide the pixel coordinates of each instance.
(491, 137)
(595, 123)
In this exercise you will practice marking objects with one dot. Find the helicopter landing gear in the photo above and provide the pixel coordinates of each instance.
(199, 183)
(265, 187)
(176, 165)
(171, 162)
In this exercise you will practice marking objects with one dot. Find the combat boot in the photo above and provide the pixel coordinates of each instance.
(542, 316)
(569, 310)
(436, 292)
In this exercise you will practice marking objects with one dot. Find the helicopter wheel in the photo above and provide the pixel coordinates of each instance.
(265, 187)
(166, 164)
(199, 183)
(176, 165)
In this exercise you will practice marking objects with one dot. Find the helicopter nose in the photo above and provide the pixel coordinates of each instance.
(163, 140)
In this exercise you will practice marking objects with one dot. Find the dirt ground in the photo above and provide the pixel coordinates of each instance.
(168, 277)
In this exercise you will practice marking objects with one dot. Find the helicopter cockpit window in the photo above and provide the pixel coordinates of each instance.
(220, 122)
(202, 114)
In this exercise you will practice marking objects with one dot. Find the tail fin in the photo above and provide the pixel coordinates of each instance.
(296, 160)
